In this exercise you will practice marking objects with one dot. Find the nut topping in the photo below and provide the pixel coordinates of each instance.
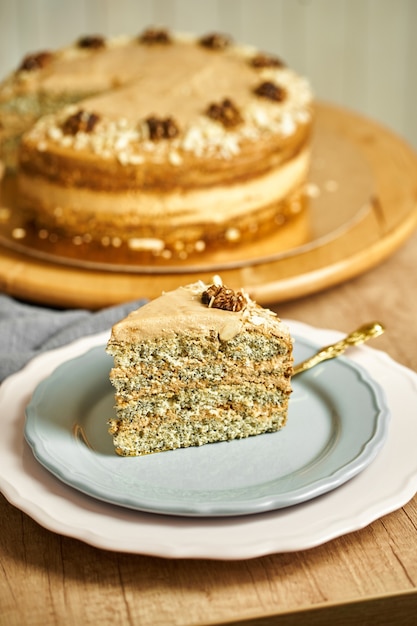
(221, 297)
(80, 122)
(225, 112)
(262, 60)
(271, 91)
(161, 128)
(91, 41)
(36, 61)
(215, 41)
(155, 36)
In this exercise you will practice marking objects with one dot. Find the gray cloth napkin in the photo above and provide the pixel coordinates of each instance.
(27, 330)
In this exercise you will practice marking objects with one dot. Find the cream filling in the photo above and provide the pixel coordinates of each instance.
(213, 205)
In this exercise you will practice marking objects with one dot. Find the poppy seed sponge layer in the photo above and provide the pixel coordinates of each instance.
(192, 368)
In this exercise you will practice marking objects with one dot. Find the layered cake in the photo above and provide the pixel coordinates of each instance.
(198, 365)
(162, 142)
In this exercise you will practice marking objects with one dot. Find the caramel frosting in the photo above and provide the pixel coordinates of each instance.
(131, 83)
(184, 308)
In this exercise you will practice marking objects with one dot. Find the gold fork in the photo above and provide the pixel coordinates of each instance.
(355, 338)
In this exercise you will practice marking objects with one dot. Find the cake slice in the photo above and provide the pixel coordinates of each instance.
(197, 365)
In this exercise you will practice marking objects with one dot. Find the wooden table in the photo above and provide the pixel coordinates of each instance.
(369, 576)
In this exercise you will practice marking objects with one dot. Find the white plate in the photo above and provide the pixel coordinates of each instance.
(338, 422)
(386, 485)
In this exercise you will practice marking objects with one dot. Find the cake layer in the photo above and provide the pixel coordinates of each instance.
(84, 160)
(182, 433)
(133, 383)
(82, 170)
(193, 401)
(170, 364)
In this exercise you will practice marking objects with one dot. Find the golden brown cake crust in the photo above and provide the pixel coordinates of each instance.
(184, 309)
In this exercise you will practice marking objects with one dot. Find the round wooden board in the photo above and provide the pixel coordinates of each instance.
(370, 235)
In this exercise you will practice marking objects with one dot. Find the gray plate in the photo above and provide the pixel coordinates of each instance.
(338, 422)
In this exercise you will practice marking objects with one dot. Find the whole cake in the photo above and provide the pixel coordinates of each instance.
(163, 142)
(197, 365)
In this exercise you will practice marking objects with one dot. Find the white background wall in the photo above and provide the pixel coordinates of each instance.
(358, 53)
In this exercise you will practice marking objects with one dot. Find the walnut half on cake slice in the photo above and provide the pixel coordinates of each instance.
(198, 365)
